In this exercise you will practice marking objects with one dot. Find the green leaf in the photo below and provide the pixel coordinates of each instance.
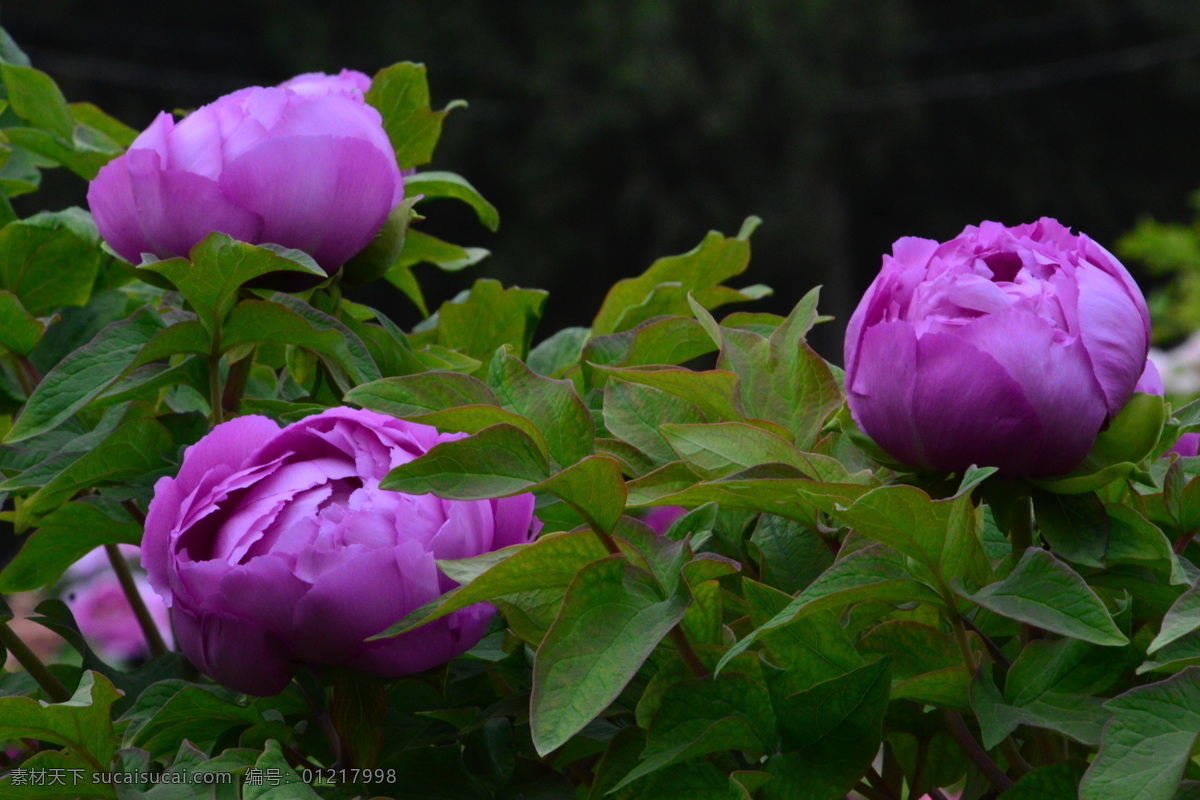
(1045, 592)
(421, 248)
(134, 449)
(611, 619)
(636, 414)
(83, 723)
(1055, 782)
(812, 648)
(62, 538)
(872, 573)
(1075, 526)
(1182, 618)
(187, 336)
(593, 487)
(401, 93)
(286, 320)
(561, 351)
(35, 97)
(698, 717)
(497, 461)
(434, 184)
(1135, 540)
(714, 260)
(666, 340)
(790, 556)
(20, 331)
(713, 391)
(169, 712)
(782, 379)
(91, 115)
(831, 734)
(553, 406)
(84, 374)
(44, 764)
(915, 648)
(289, 787)
(550, 563)
(412, 395)
(489, 317)
(1148, 743)
(723, 448)
(50, 260)
(772, 489)
(218, 266)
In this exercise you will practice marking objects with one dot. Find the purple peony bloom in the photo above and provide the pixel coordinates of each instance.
(304, 165)
(1005, 347)
(107, 620)
(277, 547)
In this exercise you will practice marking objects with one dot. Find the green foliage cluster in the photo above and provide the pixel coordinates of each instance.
(819, 623)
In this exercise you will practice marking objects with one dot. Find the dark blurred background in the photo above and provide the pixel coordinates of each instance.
(611, 133)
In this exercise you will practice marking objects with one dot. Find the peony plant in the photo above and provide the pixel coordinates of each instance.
(675, 553)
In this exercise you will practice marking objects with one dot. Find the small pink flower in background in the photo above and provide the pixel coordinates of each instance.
(661, 518)
(107, 621)
(305, 165)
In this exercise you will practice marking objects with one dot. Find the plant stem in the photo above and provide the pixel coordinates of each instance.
(1183, 541)
(120, 566)
(876, 780)
(214, 388)
(964, 646)
(33, 665)
(606, 539)
(235, 383)
(991, 646)
(1020, 532)
(974, 751)
(1014, 758)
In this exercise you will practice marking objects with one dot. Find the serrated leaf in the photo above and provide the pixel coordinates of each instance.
(1045, 592)
(611, 620)
(668, 340)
